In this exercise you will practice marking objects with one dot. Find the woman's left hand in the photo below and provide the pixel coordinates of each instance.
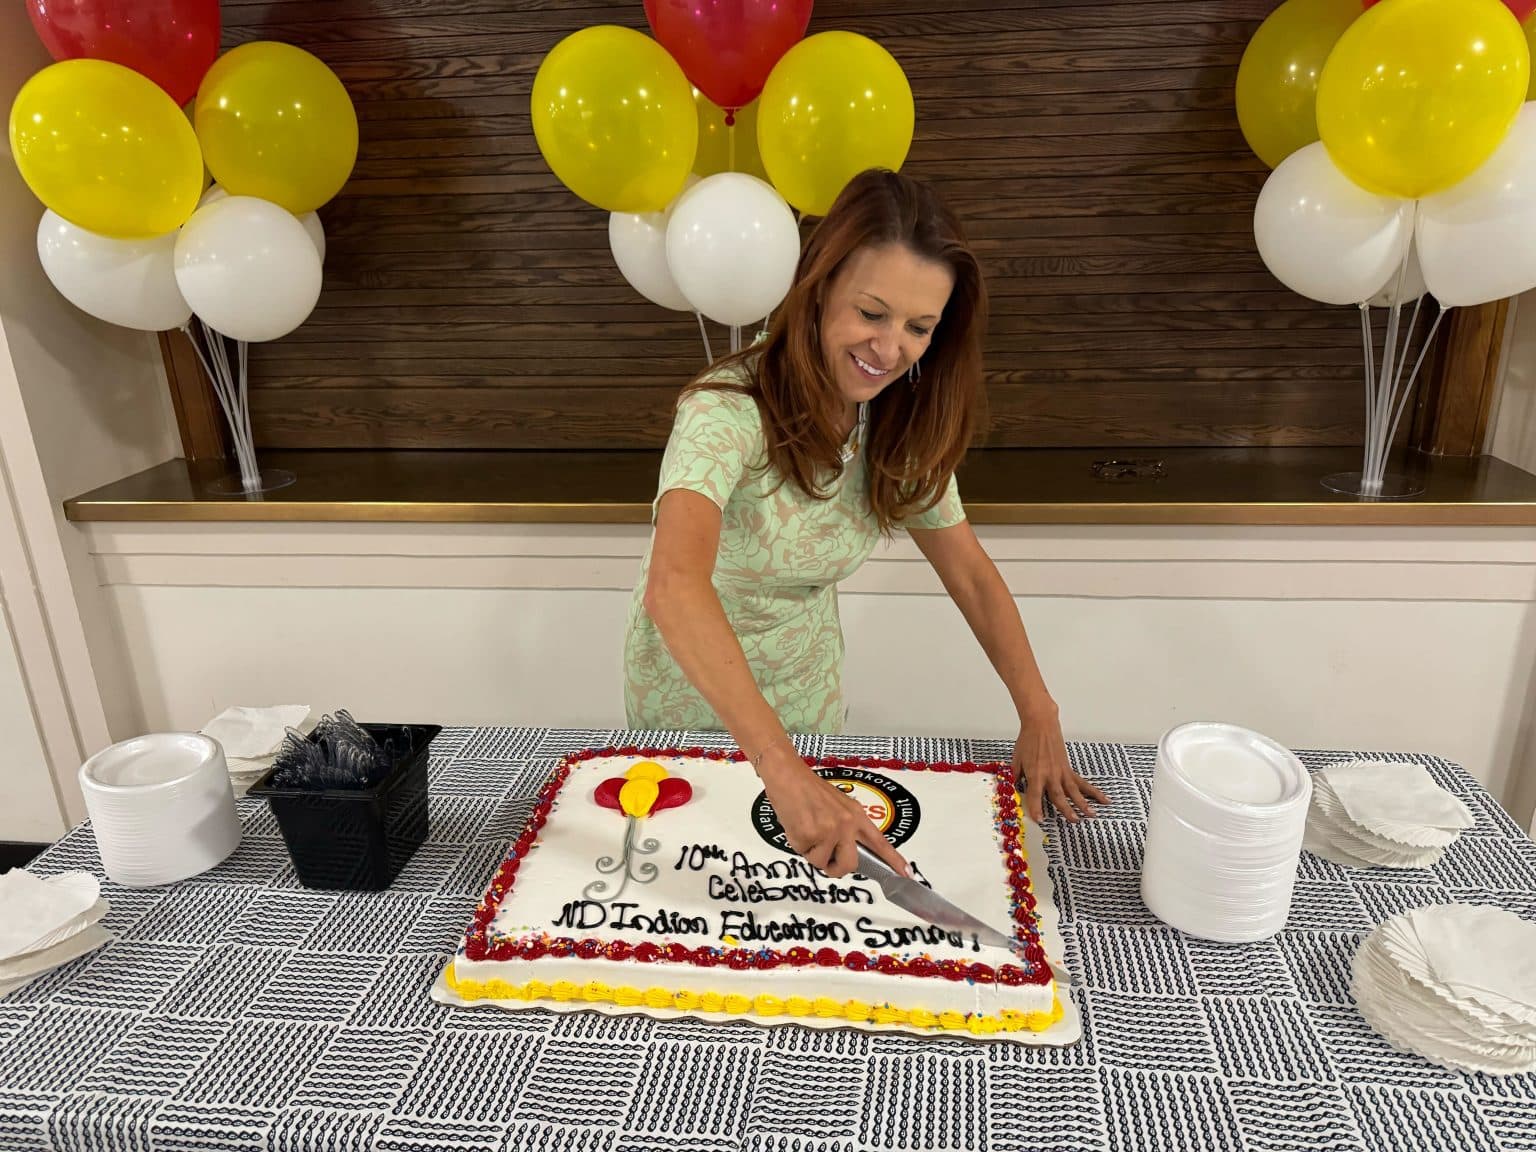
(1040, 761)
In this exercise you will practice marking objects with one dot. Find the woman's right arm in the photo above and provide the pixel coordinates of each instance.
(822, 824)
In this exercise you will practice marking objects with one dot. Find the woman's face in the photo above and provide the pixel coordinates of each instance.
(878, 316)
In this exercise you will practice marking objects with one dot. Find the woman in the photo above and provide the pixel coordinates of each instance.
(786, 464)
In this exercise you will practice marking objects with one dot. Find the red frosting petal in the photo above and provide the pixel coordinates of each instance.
(607, 794)
(673, 792)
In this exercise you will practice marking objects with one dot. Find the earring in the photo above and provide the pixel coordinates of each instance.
(915, 373)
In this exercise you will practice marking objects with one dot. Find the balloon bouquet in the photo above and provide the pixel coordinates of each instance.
(700, 142)
(131, 233)
(1404, 160)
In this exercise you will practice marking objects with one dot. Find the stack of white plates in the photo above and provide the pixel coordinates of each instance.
(1455, 983)
(1224, 832)
(1389, 815)
(47, 922)
(161, 807)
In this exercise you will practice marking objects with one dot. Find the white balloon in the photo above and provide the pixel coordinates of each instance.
(1325, 237)
(638, 241)
(732, 246)
(310, 220)
(1413, 284)
(248, 268)
(131, 283)
(312, 225)
(1477, 239)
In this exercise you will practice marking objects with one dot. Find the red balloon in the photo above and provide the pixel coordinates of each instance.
(1521, 8)
(173, 42)
(728, 47)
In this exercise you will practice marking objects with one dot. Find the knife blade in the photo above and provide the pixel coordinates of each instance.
(926, 904)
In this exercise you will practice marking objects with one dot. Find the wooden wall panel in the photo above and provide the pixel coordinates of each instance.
(1090, 146)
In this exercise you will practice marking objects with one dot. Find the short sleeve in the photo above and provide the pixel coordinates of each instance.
(716, 436)
(945, 514)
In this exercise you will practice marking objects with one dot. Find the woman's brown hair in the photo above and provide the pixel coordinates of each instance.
(918, 431)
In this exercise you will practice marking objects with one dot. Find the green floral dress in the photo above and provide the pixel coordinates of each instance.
(781, 556)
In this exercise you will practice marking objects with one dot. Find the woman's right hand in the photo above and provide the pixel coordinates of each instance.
(822, 823)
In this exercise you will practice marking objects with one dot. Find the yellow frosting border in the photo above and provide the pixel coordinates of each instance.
(854, 1011)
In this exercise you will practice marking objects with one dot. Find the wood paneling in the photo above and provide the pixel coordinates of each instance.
(204, 431)
(1090, 146)
(1454, 404)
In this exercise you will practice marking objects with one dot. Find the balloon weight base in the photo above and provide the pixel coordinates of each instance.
(269, 480)
(1391, 486)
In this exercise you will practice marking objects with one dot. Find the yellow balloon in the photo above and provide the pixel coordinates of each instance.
(1530, 42)
(106, 149)
(1277, 79)
(835, 104)
(613, 115)
(646, 770)
(727, 147)
(1417, 94)
(276, 123)
(637, 796)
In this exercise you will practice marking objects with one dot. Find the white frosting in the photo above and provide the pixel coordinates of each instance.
(717, 877)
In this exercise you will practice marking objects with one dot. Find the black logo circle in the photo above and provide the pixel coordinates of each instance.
(890, 806)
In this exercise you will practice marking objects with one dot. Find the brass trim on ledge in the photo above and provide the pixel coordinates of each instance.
(1272, 486)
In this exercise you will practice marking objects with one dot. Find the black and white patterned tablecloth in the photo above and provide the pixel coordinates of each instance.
(239, 1010)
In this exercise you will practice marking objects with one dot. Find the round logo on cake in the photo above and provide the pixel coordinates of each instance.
(889, 806)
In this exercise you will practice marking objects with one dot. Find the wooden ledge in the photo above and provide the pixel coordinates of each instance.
(999, 486)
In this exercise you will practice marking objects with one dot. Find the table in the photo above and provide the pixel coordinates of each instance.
(238, 1010)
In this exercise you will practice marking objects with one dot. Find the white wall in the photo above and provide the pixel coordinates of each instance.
(1513, 438)
(81, 403)
(1379, 639)
(32, 812)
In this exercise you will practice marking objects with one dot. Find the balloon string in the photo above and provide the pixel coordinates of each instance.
(221, 387)
(231, 395)
(1370, 376)
(1377, 422)
(1413, 322)
(709, 353)
(241, 433)
(730, 144)
(1386, 392)
(1402, 403)
(252, 480)
(213, 377)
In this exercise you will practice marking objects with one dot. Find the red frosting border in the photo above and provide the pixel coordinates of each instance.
(480, 945)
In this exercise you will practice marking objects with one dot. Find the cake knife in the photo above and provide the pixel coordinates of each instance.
(926, 904)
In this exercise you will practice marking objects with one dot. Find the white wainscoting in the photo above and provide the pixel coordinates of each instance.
(1390, 639)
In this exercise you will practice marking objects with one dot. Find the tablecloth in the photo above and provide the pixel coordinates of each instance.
(239, 1010)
